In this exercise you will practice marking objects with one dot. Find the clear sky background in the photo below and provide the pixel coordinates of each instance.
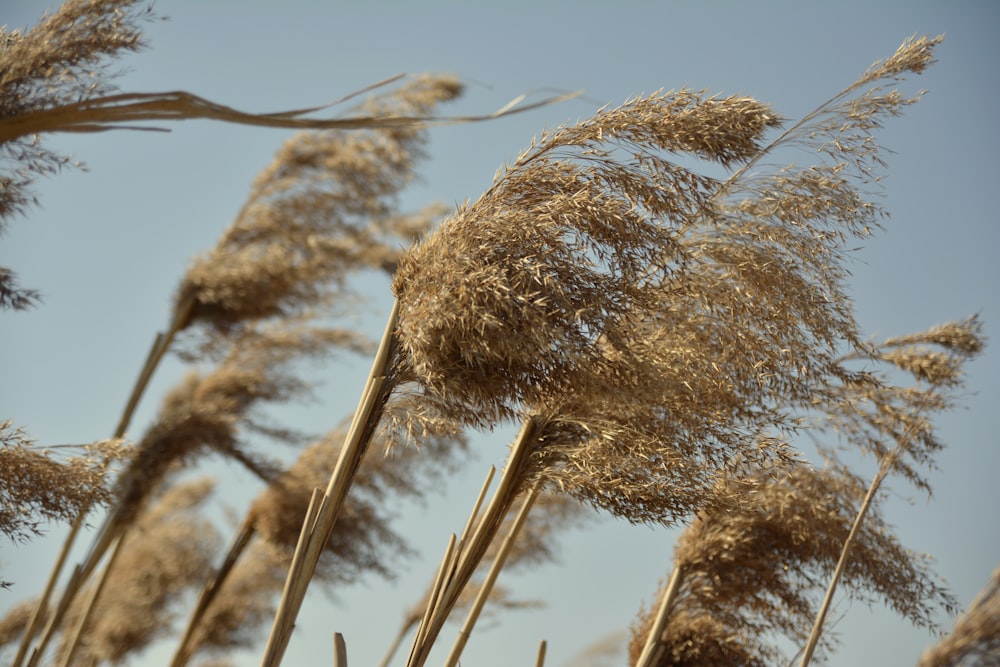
(108, 246)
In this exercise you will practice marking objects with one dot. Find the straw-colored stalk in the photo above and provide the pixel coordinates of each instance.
(365, 541)
(316, 533)
(458, 569)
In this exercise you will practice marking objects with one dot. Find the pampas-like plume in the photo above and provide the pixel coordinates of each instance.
(652, 326)
(892, 422)
(753, 570)
(15, 621)
(976, 636)
(35, 486)
(699, 640)
(655, 322)
(168, 551)
(62, 60)
(325, 207)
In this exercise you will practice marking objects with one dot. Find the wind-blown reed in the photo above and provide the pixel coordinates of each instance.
(753, 571)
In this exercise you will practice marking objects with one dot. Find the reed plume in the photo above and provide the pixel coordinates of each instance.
(644, 313)
(65, 58)
(975, 638)
(655, 328)
(15, 621)
(36, 486)
(892, 422)
(754, 571)
(166, 554)
(324, 208)
(699, 640)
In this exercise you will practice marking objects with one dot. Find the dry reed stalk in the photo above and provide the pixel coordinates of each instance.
(535, 544)
(339, 650)
(654, 647)
(419, 614)
(702, 641)
(485, 590)
(365, 540)
(116, 112)
(53, 80)
(209, 592)
(975, 638)
(317, 533)
(540, 659)
(462, 566)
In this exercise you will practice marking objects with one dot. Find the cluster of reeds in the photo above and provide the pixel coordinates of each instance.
(661, 333)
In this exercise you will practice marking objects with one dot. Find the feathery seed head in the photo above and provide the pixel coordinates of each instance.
(325, 207)
(659, 325)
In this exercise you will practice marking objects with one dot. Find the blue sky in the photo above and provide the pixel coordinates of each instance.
(107, 247)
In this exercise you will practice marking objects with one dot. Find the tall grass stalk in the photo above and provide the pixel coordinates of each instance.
(316, 533)
(487, 586)
(653, 650)
(885, 467)
(161, 343)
